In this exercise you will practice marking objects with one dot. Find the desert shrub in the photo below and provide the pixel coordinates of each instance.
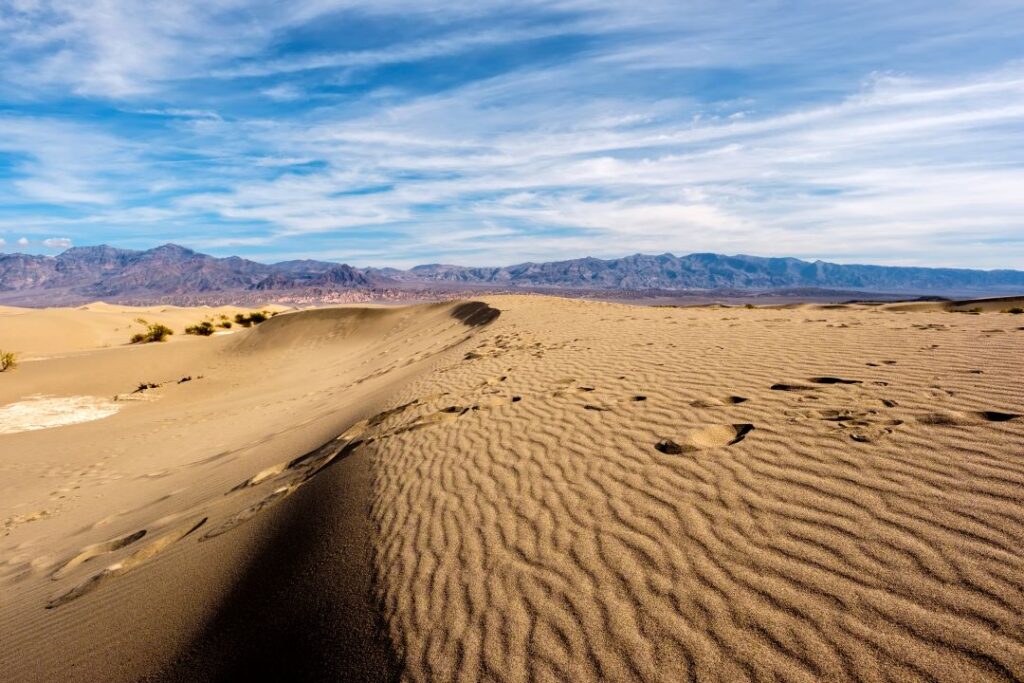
(155, 332)
(254, 318)
(748, 306)
(203, 329)
(7, 361)
(226, 324)
(1016, 310)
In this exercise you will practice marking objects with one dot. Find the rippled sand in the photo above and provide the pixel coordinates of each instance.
(565, 491)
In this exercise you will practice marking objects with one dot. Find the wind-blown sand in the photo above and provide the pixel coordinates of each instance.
(566, 491)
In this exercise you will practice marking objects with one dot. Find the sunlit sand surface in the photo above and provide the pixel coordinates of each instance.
(525, 489)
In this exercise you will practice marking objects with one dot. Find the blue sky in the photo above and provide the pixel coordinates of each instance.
(398, 133)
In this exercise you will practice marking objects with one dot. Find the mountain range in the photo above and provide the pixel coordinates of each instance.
(104, 272)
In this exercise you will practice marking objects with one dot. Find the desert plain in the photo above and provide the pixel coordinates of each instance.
(522, 488)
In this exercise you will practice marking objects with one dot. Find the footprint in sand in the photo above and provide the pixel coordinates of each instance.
(864, 426)
(245, 515)
(791, 387)
(137, 558)
(718, 402)
(95, 550)
(361, 427)
(834, 380)
(712, 436)
(495, 401)
(292, 474)
(565, 387)
(995, 416)
(952, 418)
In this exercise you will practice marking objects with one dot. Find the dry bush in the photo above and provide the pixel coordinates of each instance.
(7, 361)
(155, 332)
(203, 329)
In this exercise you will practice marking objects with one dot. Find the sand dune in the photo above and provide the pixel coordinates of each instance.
(124, 537)
(36, 333)
(565, 491)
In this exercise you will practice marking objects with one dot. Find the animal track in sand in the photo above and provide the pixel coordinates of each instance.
(701, 438)
(137, 558)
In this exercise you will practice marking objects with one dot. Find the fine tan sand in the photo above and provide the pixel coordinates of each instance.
(46, 332)
(526, 489)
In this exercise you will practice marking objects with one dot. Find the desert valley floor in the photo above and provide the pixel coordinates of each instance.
(523, 489)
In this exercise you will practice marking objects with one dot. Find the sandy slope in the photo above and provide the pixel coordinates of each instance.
(141, 536)
(571, 491)
(35, 333)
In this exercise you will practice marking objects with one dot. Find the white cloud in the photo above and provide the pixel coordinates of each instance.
(404, 52)
(852, 133)
(760, 185)
(57, 243)
(64, 163)
(23, 242)
(283, 93)
(175, 112)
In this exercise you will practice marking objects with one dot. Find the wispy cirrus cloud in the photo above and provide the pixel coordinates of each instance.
(497, 132)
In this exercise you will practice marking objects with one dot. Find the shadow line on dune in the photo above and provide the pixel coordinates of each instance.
(475, 313)
(303, 610)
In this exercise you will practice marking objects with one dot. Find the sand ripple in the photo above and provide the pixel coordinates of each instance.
(581, 534)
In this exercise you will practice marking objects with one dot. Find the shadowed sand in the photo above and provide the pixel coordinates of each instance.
(526, 489)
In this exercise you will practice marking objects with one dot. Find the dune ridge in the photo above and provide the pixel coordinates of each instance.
(528, 488)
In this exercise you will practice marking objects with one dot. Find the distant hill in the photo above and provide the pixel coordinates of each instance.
(715, 271)
(104, 272)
